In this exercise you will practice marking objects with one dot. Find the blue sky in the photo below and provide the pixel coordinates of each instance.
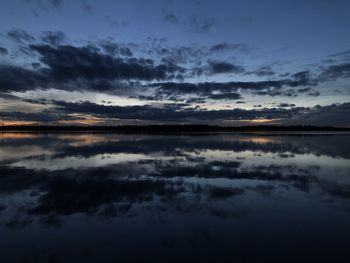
(217, 62)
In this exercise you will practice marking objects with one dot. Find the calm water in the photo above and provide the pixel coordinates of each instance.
(217, 198)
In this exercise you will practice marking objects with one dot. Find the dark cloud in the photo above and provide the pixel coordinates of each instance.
(179, 55)
(125, 52)
(20, 36)
(36, 65)
(224, 47)
(286, 105)
(3, 51)
(224, 67)
(171, 112)
(45, 116)
(53, 38)
(99, 68)
(114, 49)
(195, 100)
(76, 68)
(26, 51)
(283, 87)
(71, 63)
(171, 18)
(314, 93)
(345, 53)
(263, 71)
(225, 96)
(303, 77)
(147, 112)
(14, 78)
(335, 114)
(110, 47)
(19, 79)
(335, 71)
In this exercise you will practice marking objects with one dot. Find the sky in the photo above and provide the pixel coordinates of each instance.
(223, 62)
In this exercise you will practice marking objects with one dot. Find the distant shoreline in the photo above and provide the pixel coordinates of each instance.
(173, 129)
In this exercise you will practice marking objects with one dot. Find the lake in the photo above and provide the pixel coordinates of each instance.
(100, 197)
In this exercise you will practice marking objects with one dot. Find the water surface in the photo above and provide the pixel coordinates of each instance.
(96, 197)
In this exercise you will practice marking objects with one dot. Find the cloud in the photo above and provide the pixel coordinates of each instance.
(224, 47)
(225, 96)
(110, 47)
(88, 68)
(125, 52)
(335, 114)
(174, 112)
(53, 38)
(13, 78)
(44, 116)
(114, 49)
(286, 105)
(335, 71)
(224, 67)
(342, 54)
(20, 36)
(303, 77)
(181, 55)
(110, 68)
(82, 68)
(263, 71)
(3, 51)
(71, 63)
(282, 87)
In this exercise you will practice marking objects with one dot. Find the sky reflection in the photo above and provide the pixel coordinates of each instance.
(99, 197)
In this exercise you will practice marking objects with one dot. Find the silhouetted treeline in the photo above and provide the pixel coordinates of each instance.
(170, 128)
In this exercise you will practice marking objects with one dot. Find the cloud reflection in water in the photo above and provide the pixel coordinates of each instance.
(201, 197)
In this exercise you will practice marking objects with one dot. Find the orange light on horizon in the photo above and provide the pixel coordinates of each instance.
(17, 123)
(81, 122)
(262, 120)
(17, 135)
(258, 121)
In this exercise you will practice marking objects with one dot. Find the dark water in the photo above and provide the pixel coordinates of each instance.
(152, 198)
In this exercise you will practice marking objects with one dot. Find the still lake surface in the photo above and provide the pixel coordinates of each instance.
(95, 197)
